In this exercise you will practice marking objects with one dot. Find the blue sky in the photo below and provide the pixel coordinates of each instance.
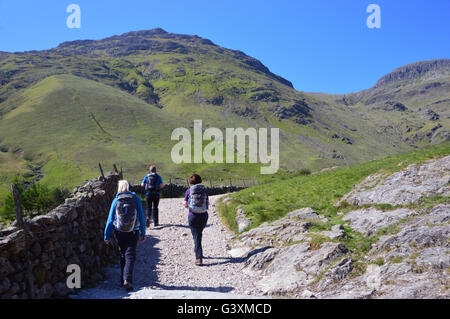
(320, 46)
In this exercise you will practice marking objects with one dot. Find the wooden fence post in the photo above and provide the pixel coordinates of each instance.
(22, 224)
(117, 171)
(101, 170)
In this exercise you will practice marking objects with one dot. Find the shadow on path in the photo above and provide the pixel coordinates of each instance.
(225, 260)
(193, 288)
(162, 226)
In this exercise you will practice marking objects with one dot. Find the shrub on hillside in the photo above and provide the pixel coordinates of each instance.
(36, 199)
(304, 171)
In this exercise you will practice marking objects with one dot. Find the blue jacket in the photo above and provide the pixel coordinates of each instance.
(158, 182)
(112, 216)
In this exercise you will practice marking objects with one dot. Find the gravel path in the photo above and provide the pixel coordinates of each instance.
(165, 262)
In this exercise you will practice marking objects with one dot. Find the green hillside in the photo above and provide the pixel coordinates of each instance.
(64, 125)
(117, 100)
(69, 125)
(412, 103)
(193, 78)
(320, 191)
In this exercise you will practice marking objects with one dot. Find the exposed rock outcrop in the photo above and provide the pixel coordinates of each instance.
(283, 231)
(409, 256)
(296, 266)
(280, 255)
(369, 220)
(404, 187)
(413, 258)
(434, 69)
(242, 221)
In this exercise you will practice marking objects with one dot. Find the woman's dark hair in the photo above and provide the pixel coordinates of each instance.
(195, 179)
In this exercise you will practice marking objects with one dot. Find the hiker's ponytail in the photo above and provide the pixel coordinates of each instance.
(124, 186)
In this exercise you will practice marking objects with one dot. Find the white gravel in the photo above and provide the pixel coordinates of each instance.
(165, 262)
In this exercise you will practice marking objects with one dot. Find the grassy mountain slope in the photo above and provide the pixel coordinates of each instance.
(10, 167)
(69, 124)
(319, 191)
(193, 78)
(412, 103)
(117, 100)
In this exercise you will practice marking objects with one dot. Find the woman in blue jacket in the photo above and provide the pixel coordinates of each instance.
(127, 240)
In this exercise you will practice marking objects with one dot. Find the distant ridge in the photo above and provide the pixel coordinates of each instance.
(434, 68)
(130, 42)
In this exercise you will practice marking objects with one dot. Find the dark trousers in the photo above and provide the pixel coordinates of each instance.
(197, 223)
(127, 247)
(152, 207)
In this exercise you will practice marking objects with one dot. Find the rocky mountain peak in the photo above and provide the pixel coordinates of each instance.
(151, 32)
(159, 40)
(432, 70)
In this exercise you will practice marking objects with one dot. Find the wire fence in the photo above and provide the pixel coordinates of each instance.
(176, 187)
(230, 182)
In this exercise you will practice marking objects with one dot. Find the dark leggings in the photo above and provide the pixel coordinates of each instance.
(152, 207)
(127, 247)
(197, 223)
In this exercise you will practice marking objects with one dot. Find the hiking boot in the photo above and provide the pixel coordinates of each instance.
(198, 262)
(127, 285)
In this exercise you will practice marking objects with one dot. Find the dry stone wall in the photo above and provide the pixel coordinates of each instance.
(36, 265)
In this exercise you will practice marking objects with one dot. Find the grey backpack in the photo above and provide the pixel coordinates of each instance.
(151, 182)
(198, 199)
(126, 213)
